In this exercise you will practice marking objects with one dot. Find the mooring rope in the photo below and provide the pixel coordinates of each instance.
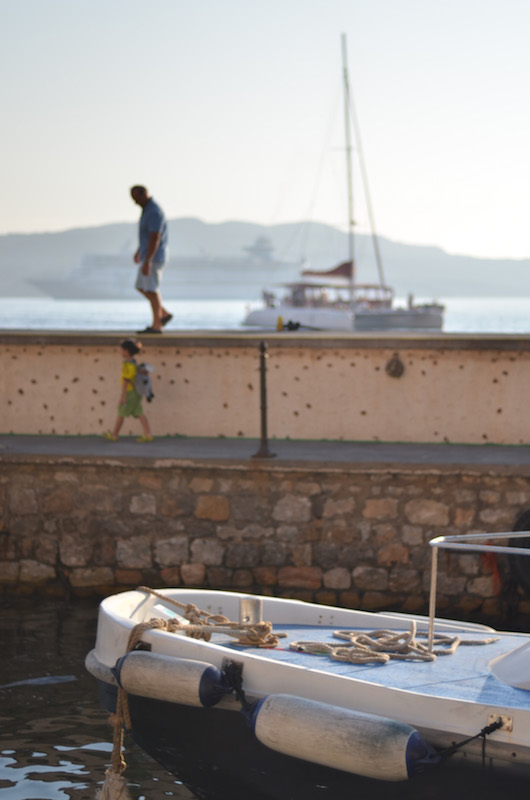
(202, 624)
(380, 646)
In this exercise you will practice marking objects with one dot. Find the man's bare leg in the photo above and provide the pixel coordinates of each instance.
(157, 308)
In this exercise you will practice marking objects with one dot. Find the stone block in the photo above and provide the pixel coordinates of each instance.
(384, 534)
(288, 533)
(518, 498)
(46, 549)
(91, 577)
(464, 517)
(427, 512)
(242, 579)
(201, 485)
(255, 531)
(34, 572)
(170, 576)
(106, 499)
(273, 554)
(498, 518)
(301, 555)
(300, 577)
(370, 578)
(415, 604)
(265, 576)
(9, 571)
(143, 504)
(170, 552)
(392, 553)
(292, 508)
(326, 554)
(212, 507)
(22, 501)
(207, 551)
(447, 584)
(75, 550)
(219, 577)
(193, 574)
(484, 586)
(336, 508)
(349, 599)
(326, 597)
(242, 554)
(407, 581)
(380, 508)
(250, 508)
(412, 535)
(376, 601)
(134, 553)
(338, 578)
(128, 577)
(150, 481)
(58, 501)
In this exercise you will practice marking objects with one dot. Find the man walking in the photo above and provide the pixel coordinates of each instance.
(151, 256)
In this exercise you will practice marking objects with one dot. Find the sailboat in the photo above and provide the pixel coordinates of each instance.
(333, 299)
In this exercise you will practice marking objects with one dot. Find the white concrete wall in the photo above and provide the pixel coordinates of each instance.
(453, 388)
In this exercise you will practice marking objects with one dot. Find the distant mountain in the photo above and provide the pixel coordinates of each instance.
(427, 272)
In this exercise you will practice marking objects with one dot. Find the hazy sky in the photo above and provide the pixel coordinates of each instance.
(232, 110)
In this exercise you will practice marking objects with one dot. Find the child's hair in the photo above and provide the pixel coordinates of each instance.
(131, 346)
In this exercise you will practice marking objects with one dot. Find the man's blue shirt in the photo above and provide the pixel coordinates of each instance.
(153, 221)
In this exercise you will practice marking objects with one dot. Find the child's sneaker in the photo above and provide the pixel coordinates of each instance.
(145, 438)
(109, 436)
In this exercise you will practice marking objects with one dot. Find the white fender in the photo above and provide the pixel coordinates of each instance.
(351, 741)
(176, 680)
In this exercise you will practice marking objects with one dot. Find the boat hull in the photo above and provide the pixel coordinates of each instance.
(426, 318)
(212, 751)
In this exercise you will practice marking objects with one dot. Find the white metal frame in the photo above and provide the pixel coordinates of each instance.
(459, 543)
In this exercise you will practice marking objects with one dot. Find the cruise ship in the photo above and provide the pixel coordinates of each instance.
(195, 277)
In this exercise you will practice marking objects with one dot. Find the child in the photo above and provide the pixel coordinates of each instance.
(130, 404)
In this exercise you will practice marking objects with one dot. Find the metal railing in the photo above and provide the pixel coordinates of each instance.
(459, 543)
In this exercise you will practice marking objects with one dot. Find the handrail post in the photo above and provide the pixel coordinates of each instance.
(263, 451)
(432, 596)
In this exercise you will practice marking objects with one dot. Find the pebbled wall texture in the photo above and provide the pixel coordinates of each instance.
(400, 388)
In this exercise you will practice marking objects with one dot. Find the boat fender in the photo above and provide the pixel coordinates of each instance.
(351, 741)
(175, 680)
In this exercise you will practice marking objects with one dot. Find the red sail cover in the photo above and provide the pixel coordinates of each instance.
(343, 270)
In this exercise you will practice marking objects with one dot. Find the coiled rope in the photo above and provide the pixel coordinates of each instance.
(380, 646)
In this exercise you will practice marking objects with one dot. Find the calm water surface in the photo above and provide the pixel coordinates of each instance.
(463, 314)
(55, 740)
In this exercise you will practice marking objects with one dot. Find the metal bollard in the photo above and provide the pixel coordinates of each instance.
(263, 451)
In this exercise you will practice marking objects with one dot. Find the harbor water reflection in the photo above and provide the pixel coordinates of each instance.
(55, 739)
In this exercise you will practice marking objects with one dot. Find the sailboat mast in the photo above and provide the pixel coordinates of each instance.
(350, 118)
(347, 123)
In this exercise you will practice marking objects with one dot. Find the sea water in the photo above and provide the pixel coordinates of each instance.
(462, 315)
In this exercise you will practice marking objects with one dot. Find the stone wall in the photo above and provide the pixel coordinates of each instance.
(347, 535)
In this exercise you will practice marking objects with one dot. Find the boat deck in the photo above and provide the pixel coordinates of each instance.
(463, 675)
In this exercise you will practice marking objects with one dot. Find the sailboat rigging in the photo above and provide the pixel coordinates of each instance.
(339, 302)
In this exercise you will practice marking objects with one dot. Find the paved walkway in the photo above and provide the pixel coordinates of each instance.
(285, 451)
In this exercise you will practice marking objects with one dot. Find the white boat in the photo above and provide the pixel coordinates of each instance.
(336, 301)
(247, 688)
(339, 306)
